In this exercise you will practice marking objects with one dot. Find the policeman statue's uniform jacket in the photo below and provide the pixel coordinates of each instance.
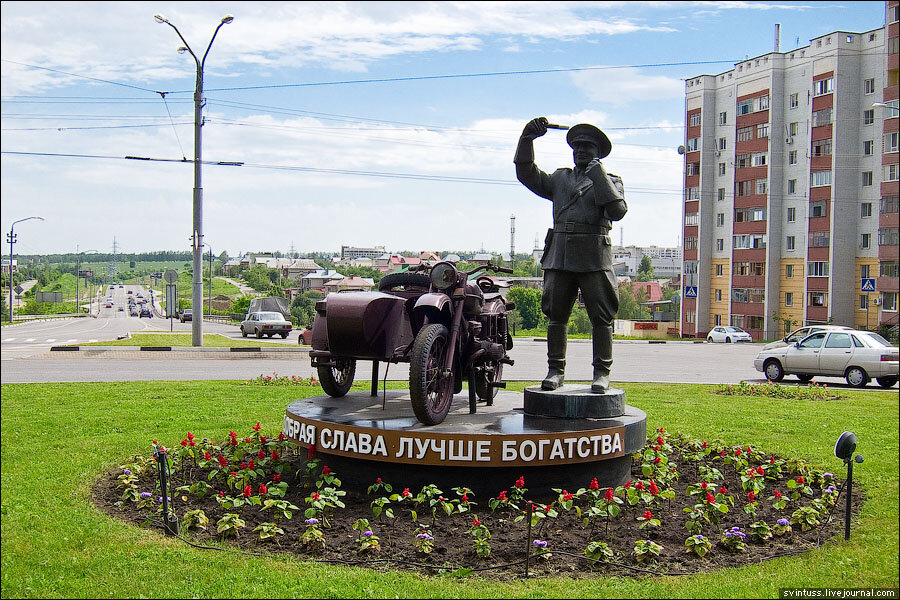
(584, 205)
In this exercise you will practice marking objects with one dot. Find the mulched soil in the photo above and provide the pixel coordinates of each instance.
(566, 535)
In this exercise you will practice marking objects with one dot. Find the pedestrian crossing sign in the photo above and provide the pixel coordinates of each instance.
(868, 284)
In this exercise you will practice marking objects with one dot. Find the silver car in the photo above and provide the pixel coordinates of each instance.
(799, 334)
(728, 334)
(856, 355)
(265, 323)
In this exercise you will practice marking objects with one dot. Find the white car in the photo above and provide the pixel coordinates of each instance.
(856, 355)
(799, 334)
(728, 334)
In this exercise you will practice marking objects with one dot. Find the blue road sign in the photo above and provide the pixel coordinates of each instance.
(867, 284)
(690, 291)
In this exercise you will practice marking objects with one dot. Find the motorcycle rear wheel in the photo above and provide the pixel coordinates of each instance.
(492, 372)
(429, 390)
(336, 381)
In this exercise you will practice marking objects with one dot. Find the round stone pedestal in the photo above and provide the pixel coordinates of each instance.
(574, 402)
(362, 438)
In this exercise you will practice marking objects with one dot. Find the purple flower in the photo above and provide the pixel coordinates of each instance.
(828, 475)
(424, 536)
(146, 494)
(830, 489)
(312, 521)
(700, 537)
(783, 521)
(540, 543)
(367, 534)
(160, 499)
(127, 472)
(736, 532)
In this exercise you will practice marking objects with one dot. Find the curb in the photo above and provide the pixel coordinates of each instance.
(189, 349)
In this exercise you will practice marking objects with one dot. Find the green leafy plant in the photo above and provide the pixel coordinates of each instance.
(541, 549)
(195, 519)
(280, 508)
(229, 525)
(782, 527)
(598, 551)
(805, 516)
(367, 540)
(760, 530)
(698, 544)
(282, 380)
(480, 537)
(268, 531)
(424, 541)
(648, 521)
(813, 391)
(645, 550)
(313, 537)
(733, 539)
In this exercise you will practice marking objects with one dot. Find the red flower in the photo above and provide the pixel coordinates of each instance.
(704, 445)
(594, 485)
(276, 477)
(256, 427)
(190, 436)
(315, 495)
(653, 489)
(232, 434)
(750, 496)
(476, 522)
(648, 515)
(184, 442)
(275, 455)
(566, 496)
(247, 440)
(262, 439)
(639, 485)
(710, 498)
(609, 495)
(772, 460)
(627, 485)
(261, 454)
(660, 440)
(520, 482)
(326, 470)
(737, 451)
(251, 465)
(703, 486)
(192, 443)
(311, 452)
(801, 480)
(207, 455)
(406, 493)
(234, 441)
(722, 453)
(378, 480)
(243, 465)
(760, 470)
(221, 494)
(656, 448)
(263, 489)
(281, 437)
(502, 496)
(657, 460)
(234, 473)
(749, 450)
(465, 499)
(777, 494)
(723, 490)
(248, 491)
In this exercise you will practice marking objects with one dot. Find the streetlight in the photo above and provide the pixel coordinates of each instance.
(197, 238)
(11, 238)
(78, 275)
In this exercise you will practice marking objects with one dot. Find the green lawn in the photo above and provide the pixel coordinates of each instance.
(210, 340)
(58, 438)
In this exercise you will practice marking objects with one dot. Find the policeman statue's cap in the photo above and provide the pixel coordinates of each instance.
(585, 132)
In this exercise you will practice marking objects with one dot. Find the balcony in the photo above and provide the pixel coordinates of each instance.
(817, 314)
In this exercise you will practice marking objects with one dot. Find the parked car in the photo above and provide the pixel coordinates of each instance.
(109, 305)
(305, 337)
(121, 308)
(265, 323)
(186, 315)
(728, 334)
(799, 334)
(856, 355)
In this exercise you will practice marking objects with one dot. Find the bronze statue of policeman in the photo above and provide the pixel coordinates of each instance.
(578, 250)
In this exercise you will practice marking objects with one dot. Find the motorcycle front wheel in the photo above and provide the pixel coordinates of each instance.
(336, 381)
(429, 389)
(492, 372)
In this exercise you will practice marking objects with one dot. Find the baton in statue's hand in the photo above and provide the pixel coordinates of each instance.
(555, 126)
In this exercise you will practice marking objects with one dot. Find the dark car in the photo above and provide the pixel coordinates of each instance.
(265, 323)
(305, 337)
(186, 315)
(145, 312)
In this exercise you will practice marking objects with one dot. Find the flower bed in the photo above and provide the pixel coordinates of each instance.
(691, 506)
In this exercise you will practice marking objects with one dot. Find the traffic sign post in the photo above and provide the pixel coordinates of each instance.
(867, 285)
(171, 302)
(690, 291)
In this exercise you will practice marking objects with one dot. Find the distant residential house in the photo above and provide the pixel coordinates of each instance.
(429, 257)
(652, 290)
(395, 262)
(350, 284)
(454, 258)
(297, 268)
(482, 258)
(5, 267)
(317, 280)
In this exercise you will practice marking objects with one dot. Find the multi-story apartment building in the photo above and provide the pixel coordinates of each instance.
(791, 187)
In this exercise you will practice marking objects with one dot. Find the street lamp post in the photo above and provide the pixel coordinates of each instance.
(11, 238)
(78, 275)
(197, 236)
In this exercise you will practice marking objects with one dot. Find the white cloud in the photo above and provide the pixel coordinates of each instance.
(621, 86)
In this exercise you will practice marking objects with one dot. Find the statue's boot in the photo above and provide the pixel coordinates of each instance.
(556, 357)
(602, 346)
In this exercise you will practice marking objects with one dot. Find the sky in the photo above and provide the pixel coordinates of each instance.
(357, 123)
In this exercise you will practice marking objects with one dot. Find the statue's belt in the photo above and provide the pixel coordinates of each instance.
(580, 228)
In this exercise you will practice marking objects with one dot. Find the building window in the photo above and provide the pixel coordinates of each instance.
(870, 86)
(866, 178)
(868, 116)
(720, 244)
(737, 321)
(891, 172)
(819, 239)
(891, 141)
(792, 128)
(749, 241)
(817, 269)
(893, 45)
(692, 193)
(822, 148)
(820, 178)
(791, 214)
(719, 270)
(695, 120)
(790, 243)
(720, 219)
(722, 143)
(756, 269)
(745, 107)
(889, 299)
(721, 168)
(720, 194)
(818, 299)
(762, 130)
(792, 186)
(865, 210)
(718, 295)
(893, 13)
(693, 168)
(743, 188)
(789, 271)
(817, 208)
(690, 243)
(869, 147)
(762, 186)
(792, 157)
(743, 160)
(865, 241)
(863, 302)
(789, 298)
(889, 268)
(723, 118)
(888, 236)
(822, 117)
(795, 100)
(763, 103)
(744, 134)
(760, 159)
(693, 144)
(823, 86)
(893, 106)
(690, 316)
(692, 219)
(863, 271)
(890, 204)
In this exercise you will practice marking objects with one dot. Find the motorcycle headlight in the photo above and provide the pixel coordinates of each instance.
(443, 275)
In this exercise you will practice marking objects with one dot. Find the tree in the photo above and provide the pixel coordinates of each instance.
(579, 322)
(303, 308)
(629, 309)
(528, 305)
(645, 270)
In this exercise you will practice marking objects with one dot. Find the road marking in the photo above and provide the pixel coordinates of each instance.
(70, 341)
(9, 340)
(50, 339)
(91, 341)
(29, 340)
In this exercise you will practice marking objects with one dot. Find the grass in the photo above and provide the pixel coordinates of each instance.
(58, 438)
(210, 340)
